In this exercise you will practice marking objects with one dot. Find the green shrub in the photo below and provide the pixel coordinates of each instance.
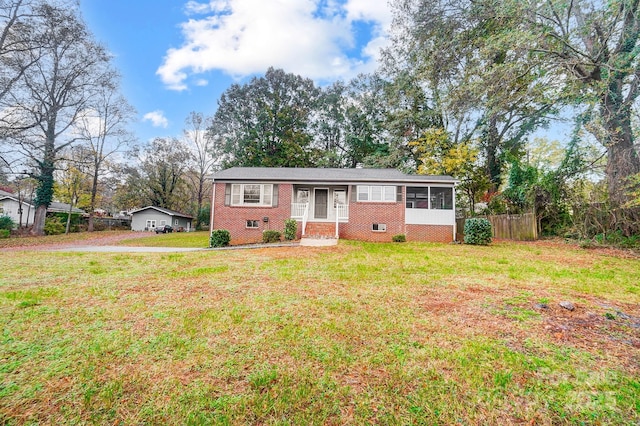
(271, 236)
(219, 238)
(4, 233)
(477, 231)
(400, 238)
(290, 229)
(203, 218)
(618, 239)
(6, 223)
(53, 226)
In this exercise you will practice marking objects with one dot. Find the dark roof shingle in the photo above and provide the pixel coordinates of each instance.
(290, 174)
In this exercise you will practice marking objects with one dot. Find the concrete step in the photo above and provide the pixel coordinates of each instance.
(318, 242)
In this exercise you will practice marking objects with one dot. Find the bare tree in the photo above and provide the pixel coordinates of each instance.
(55, 91)
(18, 19)
(18, 51)
(103, 127)
(195, 135)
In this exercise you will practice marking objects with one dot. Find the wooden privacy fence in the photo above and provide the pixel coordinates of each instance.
(519, 227)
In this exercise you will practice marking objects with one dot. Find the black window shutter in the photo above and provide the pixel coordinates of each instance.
(354, 193)
(227, 194)
(399, 194)
(275, 195)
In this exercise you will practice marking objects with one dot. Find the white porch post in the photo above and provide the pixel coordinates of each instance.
(455, 223)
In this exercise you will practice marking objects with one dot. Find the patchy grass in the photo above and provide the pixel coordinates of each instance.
(199, 239)
(358, 334)
(62, 239)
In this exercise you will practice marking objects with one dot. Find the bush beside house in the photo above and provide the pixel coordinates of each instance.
(219, 238)
(290, 229)
(271, 236)
(477, 231)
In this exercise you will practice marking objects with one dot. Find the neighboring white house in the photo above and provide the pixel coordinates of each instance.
(148, 218)
(11, 206)
(21, 212)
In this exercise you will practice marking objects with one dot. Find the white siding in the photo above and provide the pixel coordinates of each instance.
(430, 217)
(10, 208)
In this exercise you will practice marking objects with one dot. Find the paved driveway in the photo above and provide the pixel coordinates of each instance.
(127, 249)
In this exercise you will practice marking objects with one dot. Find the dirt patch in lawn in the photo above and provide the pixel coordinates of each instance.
(608, 331)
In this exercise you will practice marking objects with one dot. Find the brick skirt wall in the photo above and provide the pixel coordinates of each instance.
(431, 233)
(234, 219)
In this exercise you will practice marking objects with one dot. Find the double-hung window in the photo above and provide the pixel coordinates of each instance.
(251, 194)
(377, 193)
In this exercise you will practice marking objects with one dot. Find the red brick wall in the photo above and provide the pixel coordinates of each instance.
(431, 233)
(234, 219)
(363, 215)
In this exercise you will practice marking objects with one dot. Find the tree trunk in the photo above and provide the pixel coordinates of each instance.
(491, 144)
(94, 192)
(66, 230)
(622, 158)
(38, 221)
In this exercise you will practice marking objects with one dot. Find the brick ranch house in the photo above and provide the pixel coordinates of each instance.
(358, 204)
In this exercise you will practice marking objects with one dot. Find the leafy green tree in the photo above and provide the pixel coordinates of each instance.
(480, 87)
(348, 122)
(131, 191)
(163, 165)
(69, 188)
(438, 154)
(266, 121)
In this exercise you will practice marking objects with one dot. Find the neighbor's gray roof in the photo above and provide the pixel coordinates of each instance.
(63, 208)
(163, 210)
(338, 176)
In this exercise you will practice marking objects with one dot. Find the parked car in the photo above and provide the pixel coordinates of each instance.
(164, 229)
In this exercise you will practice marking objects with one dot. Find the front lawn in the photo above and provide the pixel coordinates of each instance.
(199, 239)
(360, 333)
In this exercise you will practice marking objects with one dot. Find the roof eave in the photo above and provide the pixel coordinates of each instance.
(335, 181)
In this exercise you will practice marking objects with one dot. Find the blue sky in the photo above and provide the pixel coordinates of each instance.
(177, 56)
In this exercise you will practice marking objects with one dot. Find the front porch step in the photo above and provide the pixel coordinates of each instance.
(320, 230)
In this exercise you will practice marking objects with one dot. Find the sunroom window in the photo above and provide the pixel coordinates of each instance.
(424, 197)
(441, 198)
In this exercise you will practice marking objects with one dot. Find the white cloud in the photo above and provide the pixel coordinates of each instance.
(369, 10)
(156, 118)
(306, 37)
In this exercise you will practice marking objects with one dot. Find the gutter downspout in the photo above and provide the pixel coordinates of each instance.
(455, 222)
(213, 204)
